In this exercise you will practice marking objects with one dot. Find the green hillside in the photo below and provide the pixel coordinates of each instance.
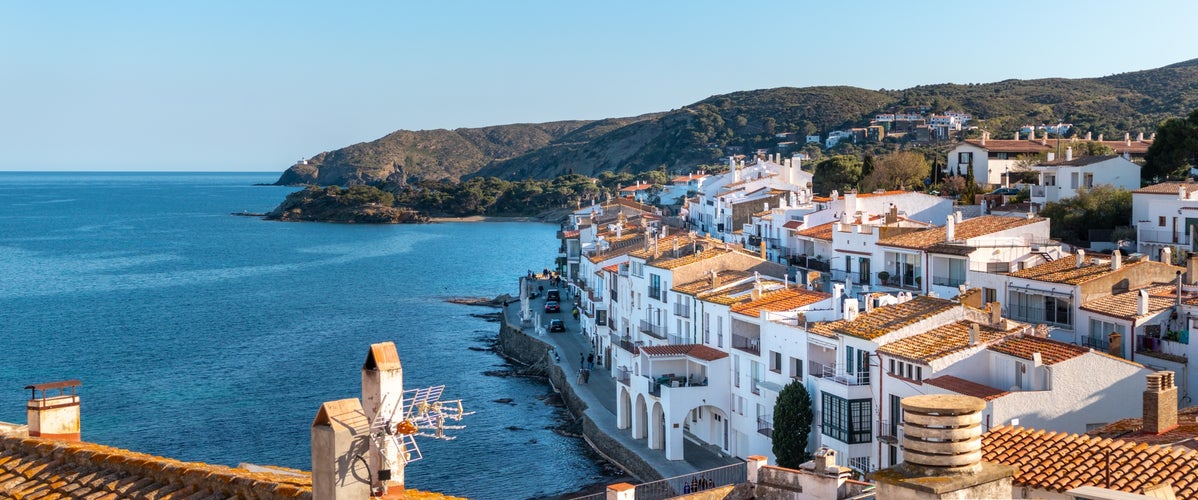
(707, 131)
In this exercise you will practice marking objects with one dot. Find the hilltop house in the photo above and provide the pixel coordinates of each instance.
(1164, 216)
(1062, 179)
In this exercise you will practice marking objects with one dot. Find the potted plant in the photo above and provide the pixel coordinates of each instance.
(885, 277)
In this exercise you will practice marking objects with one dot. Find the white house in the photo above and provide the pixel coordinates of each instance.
(993, 159)
(1062, 179)
(1164, 216)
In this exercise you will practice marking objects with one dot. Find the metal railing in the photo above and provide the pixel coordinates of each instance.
(1038, 192)
(765, 426)
(810, 263)
(692, 483)
(947, 281)
(889, 433)
(747, 344)
(837, 373)
(593, 496)
(652, 329)
(623, 343)
(1095, 343)
(1163, 236)
(678, 340)
(624, 375)
(683, 310)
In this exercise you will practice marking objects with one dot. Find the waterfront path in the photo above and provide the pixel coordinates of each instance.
(600, 393)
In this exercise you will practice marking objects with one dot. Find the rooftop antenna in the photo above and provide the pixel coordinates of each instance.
(419, 412)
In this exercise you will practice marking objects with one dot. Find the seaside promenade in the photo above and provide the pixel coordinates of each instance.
(599, 394)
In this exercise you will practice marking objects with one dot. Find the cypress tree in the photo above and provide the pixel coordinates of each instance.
(792, 424)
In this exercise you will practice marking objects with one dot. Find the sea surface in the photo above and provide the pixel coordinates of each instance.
(203, 336)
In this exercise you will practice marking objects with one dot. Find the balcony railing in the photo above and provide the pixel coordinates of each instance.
(810, 263)
(837, 373)
(678, 340)
(624, 343)
(765, 426)
(747, 344)
(624, 375)
(652, 329)
(755, 385)
(683, 310)
(861, 464)
(1095, 343)
(1163, 236)
(890, 432)
(947, 281)
(1037, 192)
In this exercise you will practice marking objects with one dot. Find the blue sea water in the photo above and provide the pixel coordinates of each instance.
(203, 336)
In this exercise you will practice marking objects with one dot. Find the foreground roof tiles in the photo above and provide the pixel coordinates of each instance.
(820, 232)
(697, 351)
(943, 341)
(886, 319)
(1126, 305)
(964, 230)
(1051, 351)
(1168, 188)
(1059, 462)
(781, 300)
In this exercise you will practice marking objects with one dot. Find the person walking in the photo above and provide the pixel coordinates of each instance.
(581, 360)
(591, 361)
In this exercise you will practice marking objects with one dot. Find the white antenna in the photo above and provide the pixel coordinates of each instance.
(420, 412)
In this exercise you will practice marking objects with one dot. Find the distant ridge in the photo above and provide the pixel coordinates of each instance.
(710, 129)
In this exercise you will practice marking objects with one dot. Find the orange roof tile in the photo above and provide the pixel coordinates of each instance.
(780, 300)
(1060, 461)
(636, 187)
(944, 340)
(966, 387)
(688, 178)
(820, 232)
(1051, 351)
(886, 319)
(693, 258)
(1066, 271)
(701, 286)
(1132, 430)
(1011, 146)
(697, 351)
(1169, 188)
(731, 295)
(615, 268)
(1126, 304)
(793, 224)
(964, 230)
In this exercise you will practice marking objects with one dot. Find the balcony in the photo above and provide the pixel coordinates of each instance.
(765, 426)
(1163, 236)
(678, 340)
(810, 263)
(837, 373)
(747, 344)
(1095, 343)
(890, 433)
(947, 281)
(673, 382)
(652, 329)
(624, 343)
(1038, 191)
(624, 375)
(683, 310)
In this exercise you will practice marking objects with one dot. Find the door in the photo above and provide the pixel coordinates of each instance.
(863, 268)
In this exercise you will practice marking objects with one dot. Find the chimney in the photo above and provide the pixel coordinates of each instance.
(1017, 135)
(985, 135)
(382, 393)
(1167, 255)
(1140, 136)
(995, 310)
(850, 201)
(973, 334)
(340, 432)
(950, 228)
(1160, 403)
(1142, 302)
(959, 217)
(755, 294)
(1192, 269)
(1116, 260)
(763, 246)
(1050, 156)
(1044, 138)
(1081, 257)
(715, 279)
(892, 214)
(1099, 137)
(1127, 138)
(1115, 345)
(825, 460)
(1069, 154)
(1089, 136)
(55, 413)
(850, 309)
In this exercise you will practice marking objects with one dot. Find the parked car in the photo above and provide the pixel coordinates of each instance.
(552, 307)
(553, 294)
(557, 325)
(1009, 191)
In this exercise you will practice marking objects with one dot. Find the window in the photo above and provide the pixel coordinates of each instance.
(989, 295)
(719, 333)
(1088, 180)
(655, 287)
(1073, 180)
(948, 272)
(638, 269)
(796, 368)
(736, 371)
(600, 317)
(1048, 309)
(775, 362)
(1161, 221)
(846, 420)
(998, 267)
(964, 158)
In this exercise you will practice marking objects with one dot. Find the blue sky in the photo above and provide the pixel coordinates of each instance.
(216, 85)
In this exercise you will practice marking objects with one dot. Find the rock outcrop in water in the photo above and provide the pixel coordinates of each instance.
(357, 205)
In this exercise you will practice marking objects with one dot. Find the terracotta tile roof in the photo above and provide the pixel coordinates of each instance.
(966, 387)
(42, 468)
(636, 187)
(944, 340)
(697, 351)
(1051, 351)
(886, 319)
(1168, 188)
(1136, 147)
(1078, 162)
(1132, 430)
(1064, 270)
(688, 178)
(701, 286)
(883, 193)
(664, 247)
(820, 232)
(687, 260)
(573, 233)
(966, 229)
(731, 295)
(780, 300)
(793, 224)
(1124, 305)
(1058, 461)
(1011, 146)
(615, 268)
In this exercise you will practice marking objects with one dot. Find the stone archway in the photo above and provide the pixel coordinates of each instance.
(657, 434)
(640, 418)
(624, 411)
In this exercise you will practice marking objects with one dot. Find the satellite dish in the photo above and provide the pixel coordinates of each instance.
(419, 412)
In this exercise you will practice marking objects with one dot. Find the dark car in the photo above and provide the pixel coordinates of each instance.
(1009, 191)
(557, 325)
(552, 307)
(553, 294)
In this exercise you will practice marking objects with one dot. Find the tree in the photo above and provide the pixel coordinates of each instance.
(792, 424)
(841, 172)
(902, 170)
(1175, 149)
(1102, 207)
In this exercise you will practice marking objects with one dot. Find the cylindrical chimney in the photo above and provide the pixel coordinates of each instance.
(943, 433)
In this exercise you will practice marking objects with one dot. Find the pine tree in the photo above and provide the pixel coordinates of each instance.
(792, 424)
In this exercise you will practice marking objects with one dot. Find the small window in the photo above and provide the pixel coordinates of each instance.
(1161, 221)
(892, 366)
(775, 362)
(919, 373)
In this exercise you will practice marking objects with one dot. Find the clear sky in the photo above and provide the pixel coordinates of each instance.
(256, 85)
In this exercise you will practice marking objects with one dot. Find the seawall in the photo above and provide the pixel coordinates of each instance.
(523, 348)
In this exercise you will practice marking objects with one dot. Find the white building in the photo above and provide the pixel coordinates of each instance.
(1062, 179)
(993, 159)
(1164, 216)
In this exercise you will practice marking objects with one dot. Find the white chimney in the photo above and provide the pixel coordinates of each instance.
(1167, 255)
(850, 201)
(1089, 136)
(1116, 260)
(973, 334)
(1099, 137)
(959, 216)
(1069, 154)
(1181, 192)
(1051, 156)
(1142, 303)
(950, 229)
(835, 195)
(1140, 136)
(382, 390)
(1017, 135)
(850, 309)
(1081, 257)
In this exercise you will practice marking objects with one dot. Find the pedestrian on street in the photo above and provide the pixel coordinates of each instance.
(591, 361)
(586, 376)
(581, 375)
(581, 358)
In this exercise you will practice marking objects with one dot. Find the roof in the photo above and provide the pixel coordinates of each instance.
(821, 232)
(964, 230)
(1126, 304)
(1059, 461)
(615, 268)
(1078, 161)
(572, 233)
(1010, 146)
(966, 387)
(697, 351)
(636, 187)
(1051, 351)
(780, 300)
(1132, 430)
(793, 224)
(1065, 270)
(704, 285)
(1172, 188)
(886, 319)
(731, 295)
(37, 468)
(688, 178)
(943, 341)
(687, 260)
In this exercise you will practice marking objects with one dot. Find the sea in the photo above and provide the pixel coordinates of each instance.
(205, 336)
